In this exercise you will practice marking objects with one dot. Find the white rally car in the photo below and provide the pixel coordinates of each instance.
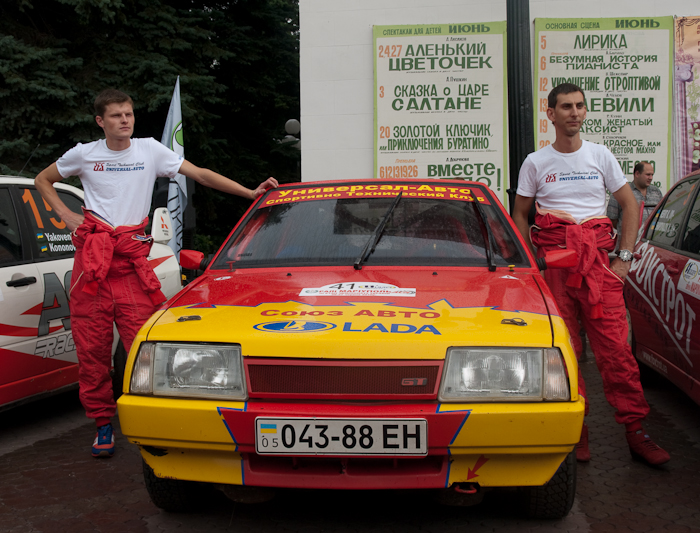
(37, 355)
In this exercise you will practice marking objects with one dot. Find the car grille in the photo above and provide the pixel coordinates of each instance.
(347, 472)
(304, 378)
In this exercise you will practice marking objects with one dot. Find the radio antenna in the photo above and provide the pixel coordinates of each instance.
(30, 158)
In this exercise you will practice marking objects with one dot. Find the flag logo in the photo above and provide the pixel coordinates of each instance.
(177, 190)
(39, 236)
(268, 428)
(44, 248)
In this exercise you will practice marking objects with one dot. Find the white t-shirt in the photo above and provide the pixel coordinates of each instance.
(572, 182)
(119, 185)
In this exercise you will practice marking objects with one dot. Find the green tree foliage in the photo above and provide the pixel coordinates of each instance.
(239, 78)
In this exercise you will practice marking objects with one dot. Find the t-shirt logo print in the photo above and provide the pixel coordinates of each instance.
(99, 167)
(550, 178)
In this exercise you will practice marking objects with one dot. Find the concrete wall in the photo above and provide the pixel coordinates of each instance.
(337, 73)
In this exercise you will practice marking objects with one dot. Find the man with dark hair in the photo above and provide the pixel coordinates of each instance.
(112, 281)
(569, 179)
(646, 194)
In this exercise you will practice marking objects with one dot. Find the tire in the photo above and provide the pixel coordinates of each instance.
(174, 495)
(555, 498)
(119, 362)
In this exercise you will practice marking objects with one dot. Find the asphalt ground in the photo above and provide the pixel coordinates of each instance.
(50, 483)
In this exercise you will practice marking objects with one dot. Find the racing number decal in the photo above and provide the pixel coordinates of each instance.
(27, 198)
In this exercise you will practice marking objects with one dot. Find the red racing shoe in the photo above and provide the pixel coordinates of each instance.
(646, 450)
(104, 442)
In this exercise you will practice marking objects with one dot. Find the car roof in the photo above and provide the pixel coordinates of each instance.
(694, 173)
(18, 180)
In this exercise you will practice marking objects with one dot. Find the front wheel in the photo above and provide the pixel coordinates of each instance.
(555, 498)
(173, 495)
(119, 363)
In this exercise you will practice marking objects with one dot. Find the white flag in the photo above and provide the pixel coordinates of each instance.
(177, 190)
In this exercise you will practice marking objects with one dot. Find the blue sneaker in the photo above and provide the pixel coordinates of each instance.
(104, 442)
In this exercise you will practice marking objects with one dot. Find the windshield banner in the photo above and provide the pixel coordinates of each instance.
(418, 190)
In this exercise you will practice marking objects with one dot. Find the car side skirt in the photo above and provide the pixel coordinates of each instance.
(35, 387)
(675, 375)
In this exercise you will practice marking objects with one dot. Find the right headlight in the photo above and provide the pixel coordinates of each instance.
(194, 370)
(504, 374)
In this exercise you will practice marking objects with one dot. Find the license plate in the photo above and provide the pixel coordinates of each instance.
(341, 436)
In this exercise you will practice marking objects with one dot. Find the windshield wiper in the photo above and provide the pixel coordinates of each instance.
(488, 242)
(376, 235)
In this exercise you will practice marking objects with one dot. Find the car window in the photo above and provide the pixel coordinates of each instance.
(667, 222)
(691, 237)
(49, 234)
(10, 242)
(420, 231)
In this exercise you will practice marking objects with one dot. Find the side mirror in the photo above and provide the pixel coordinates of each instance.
(162, 228)
(558, 259)
(193, 260)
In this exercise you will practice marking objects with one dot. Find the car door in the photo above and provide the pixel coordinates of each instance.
(20, 293)
(665, 301)
(689, 286)
(38, 352)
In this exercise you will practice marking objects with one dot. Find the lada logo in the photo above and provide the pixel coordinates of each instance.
(294, 326)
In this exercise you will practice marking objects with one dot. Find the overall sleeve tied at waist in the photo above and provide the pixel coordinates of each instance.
(99, 243)
(592, 240)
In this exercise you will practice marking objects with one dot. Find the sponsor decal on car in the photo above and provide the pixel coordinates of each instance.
(654, 362)
(359, 289)
(375, 323)
(689, 281)
(650, 278)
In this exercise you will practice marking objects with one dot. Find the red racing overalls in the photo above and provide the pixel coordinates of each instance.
(112, 282)
(594, 292)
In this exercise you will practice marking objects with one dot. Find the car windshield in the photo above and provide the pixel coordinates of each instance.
(335, 231)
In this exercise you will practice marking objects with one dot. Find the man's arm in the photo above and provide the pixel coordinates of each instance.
(521, 212)
(613, 211)
(630, 225)
(209, 178)
(44, 184)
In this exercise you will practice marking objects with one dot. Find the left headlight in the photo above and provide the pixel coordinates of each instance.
(201, 370)
(502, 374)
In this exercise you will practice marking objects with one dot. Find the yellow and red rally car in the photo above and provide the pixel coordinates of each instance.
(360, 335)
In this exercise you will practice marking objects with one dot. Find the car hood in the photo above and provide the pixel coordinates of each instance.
(374, 313)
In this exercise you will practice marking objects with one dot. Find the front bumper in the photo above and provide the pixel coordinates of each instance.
(494, 445)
